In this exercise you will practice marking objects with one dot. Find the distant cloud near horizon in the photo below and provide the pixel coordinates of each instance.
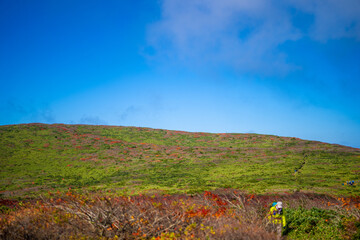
(23, 112)
(131, 110)
(95, 120)
(281, 67)
(246, 35)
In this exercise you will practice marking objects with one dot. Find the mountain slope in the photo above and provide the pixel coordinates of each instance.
(39, 157)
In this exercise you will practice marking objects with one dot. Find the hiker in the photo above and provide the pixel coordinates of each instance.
(277, 218)
(350, 183)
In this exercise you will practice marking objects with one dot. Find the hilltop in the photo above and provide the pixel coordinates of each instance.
(36, 158)
(105, 182)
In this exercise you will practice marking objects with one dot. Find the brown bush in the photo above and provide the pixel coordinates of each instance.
(222, 215)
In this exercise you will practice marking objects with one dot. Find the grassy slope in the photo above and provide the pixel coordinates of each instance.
(40, 157)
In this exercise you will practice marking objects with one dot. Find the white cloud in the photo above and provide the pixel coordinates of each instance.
(333, 18)
(244, 35)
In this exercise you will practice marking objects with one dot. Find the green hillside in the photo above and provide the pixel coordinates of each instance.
(36, 158)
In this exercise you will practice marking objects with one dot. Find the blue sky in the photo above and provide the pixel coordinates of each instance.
(288, 68)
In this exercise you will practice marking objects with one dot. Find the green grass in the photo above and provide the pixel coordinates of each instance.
(35, 158)
(314, 224)
(319, 224)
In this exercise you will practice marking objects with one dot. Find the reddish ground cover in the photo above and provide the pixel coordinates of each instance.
(225, 214)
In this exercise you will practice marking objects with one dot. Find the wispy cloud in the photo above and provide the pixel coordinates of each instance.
(95, 120)
(128, 112)
(16, 111)
(245, 35)
(333, 19)
(46, 115)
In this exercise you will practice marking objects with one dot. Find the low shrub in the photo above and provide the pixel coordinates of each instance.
(224, 214)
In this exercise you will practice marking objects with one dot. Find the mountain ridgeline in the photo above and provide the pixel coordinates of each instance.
(36, 158)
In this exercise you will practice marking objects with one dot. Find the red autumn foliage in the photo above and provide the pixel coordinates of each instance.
(223, 214)
(136, 217)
